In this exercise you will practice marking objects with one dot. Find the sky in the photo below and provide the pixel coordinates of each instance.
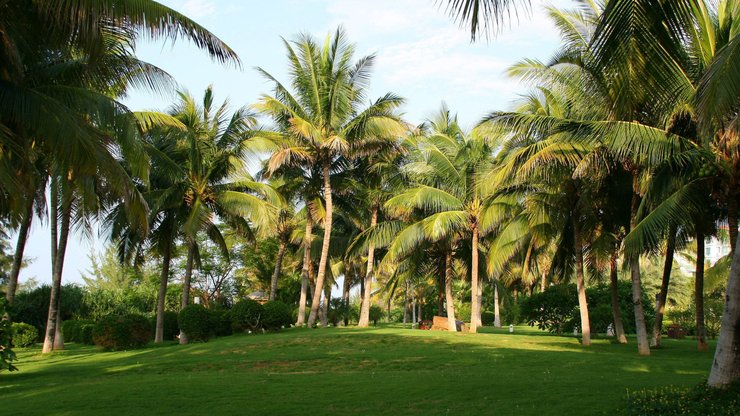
(421, 55)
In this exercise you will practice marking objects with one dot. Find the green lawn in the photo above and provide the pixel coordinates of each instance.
(387, 370)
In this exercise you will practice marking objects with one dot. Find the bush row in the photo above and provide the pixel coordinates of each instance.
(118, 332)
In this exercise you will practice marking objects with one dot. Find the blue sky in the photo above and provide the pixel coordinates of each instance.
(421, 55)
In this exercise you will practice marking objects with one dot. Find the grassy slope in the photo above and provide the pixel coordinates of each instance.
(378, 371)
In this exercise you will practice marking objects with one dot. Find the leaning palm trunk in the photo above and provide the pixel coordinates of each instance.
(732, 220)
(614, 289)
(643, 346)
(581, 284)
(276, 273)
(324, 247)
(451, 324)
(663, 295)
(304, 270)
(186, 285)
(726, 364)
(496, 310)
(58, 251)
(475, 302)
(162, 294)
(701, 334)
(19, 249)
(368, 286)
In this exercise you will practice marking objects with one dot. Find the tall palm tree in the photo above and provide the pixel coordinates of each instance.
(325, 120)
(212, 180)
(447, 194)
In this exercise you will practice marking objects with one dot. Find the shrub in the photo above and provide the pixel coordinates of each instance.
(376, 314)
(32, 307)
(24, 335)
(699, 400)
(246, 315)
(86, 333)
(122, 332)
(552, 310)
(511, 312)
(196, 322)
(463, 312)
(7, 356)
(71, 329)
(170, 328)
(275, 315)
(487, 318)
(221, 319)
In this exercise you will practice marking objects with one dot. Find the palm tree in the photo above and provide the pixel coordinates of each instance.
(324, 119)
(212, 180)
(446, 193)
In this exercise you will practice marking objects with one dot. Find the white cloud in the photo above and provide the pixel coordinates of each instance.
(198, 9)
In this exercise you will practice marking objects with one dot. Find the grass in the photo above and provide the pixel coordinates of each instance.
(387, 370)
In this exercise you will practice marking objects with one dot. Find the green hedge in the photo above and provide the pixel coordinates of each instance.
(196, 322)
(24, 335)
(246, 315)
(276, 315)
(122, 332)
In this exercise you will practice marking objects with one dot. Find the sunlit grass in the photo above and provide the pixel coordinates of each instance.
(386, 370)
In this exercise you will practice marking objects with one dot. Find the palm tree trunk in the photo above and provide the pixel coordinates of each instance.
(475, 302)
(345, 297)
(581, 283)
(726, 363)
(368, 285)
(480, 304)
(406, 305)
(58, 252)
(186, 285)
(20, 246)
(701, 334)
(304, 270)
(614, 289)
(543, 282)
(413, 309)
(162, 294)
(325, 307)
(324, 246)
(496, 310)
(732, 220)
(451, 324)
(276, 273)
(663, 295)
(643, 346)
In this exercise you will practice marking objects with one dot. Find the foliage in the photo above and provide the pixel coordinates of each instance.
(376, 314)
(24, 335)
(196, 322)
(553, 310)
(462, 313)
(86, 333)
(556, 309)
(221, 320)
(511, 312)
(246, 315)
(672, 400)
(276, 315)
(32, 307)
(121, 332)
(72, 329)
(170, 327)
(686, 317)
(7, 356)
(338, 311)
(487, 318)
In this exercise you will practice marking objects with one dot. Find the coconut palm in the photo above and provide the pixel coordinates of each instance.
(447, 195)
(325, 119)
